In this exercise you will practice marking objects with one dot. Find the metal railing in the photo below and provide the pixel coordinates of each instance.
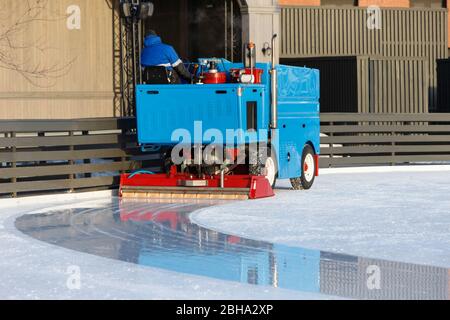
(375, 139)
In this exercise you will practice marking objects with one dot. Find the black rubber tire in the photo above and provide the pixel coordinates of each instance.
(166, 160)
(301, 183)
(255, 164)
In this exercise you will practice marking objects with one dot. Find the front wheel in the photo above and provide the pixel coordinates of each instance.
(270, 171)
(306, 181)
(265, 165)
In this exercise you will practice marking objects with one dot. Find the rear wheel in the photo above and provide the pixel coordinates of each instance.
(306, 181)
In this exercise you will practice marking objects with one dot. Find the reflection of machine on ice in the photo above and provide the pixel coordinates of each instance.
(188, 248)
(161, 235)
(178, 245)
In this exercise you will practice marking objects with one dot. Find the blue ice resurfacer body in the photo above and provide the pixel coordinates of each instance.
(279, 110)
(164, 110)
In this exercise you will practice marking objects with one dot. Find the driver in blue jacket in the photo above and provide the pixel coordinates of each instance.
(156, 53)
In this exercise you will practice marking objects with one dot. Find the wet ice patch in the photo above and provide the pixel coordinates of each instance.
(90, 204)
(161, 235)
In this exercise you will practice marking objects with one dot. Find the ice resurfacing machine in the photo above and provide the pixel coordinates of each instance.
(233, 132)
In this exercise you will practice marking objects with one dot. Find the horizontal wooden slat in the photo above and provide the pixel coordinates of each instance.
(419, 138)
(325, 162)
(61, 155)
(386, 149)
(64, 140)
(42, 171)
(349, 117)
(67, 125)
(385, 128)
(57, 184)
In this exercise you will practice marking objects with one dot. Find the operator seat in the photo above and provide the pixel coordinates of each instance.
(156, 75)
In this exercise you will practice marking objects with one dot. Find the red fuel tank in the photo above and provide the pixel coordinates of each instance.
(215, 78)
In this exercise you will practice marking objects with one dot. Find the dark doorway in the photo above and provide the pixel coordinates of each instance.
(170, 22)
(199, 28)
(338, 81)
(443, 92)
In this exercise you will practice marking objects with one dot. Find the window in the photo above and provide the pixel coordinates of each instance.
(252, 115)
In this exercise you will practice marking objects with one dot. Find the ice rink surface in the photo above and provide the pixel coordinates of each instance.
(340, 230)
(33, 269)
(400, 214)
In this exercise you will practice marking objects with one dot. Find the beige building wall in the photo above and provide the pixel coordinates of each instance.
(51, 69)
(56, 62)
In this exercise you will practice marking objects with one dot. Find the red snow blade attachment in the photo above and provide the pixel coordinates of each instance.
(184, 186)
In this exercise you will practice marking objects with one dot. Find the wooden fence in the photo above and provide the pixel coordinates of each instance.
(79, 155)
(371, 139)
(66, 155)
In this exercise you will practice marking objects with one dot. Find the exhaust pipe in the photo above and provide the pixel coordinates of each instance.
(222, 179)
(274, 82)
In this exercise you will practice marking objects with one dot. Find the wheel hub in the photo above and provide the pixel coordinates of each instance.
(270, 170)
(309, 168)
